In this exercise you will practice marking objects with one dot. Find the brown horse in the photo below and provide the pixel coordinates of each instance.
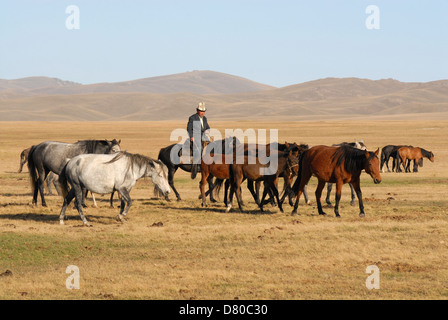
(210, 169)
(338, 165)
(412, 153)
(252, 170)
(288, 175)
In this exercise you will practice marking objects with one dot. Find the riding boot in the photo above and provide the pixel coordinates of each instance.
(194, 170)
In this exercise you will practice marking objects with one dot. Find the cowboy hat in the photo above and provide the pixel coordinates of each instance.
(201, 107)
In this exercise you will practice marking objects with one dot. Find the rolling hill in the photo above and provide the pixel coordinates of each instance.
(227, 97)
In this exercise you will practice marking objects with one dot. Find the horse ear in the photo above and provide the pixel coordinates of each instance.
(377, 151)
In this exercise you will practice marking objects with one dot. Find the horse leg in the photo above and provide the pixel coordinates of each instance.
(306, 176)
(386, 161)
(171, 173)
(338, 197)
(239, 196)
(40, 185)
(84, 196)
(211, 186)
(318, 193)
(352, 202)
(357, 186)
(274, 190)
(49, 181)
(111, 200)
(56, 186)
(327, 199)
(36, 191)
(231, 193)
(305, 194)
(202, 188)
(67, 200)
(257, 191)
(94, 200)
(126, 203)
(226, 190)
(250, 186)
(79, 194)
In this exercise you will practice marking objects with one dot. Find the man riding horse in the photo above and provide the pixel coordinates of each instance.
(198, 130)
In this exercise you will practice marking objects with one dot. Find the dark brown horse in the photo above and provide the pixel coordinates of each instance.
(210, 169)
(338, 165)
(412, 153)
(252, 170)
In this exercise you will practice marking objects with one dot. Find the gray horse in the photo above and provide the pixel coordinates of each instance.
(51, 156)
(107, 173)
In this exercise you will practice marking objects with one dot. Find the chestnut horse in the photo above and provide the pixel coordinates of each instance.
(338, 165)
(412, 153)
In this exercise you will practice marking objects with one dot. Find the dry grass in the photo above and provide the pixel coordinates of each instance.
(171, 250)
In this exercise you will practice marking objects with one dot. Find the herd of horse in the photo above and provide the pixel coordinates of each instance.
(402, 155)
(100, 166)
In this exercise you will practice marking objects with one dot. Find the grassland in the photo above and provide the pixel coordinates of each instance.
(179, 250)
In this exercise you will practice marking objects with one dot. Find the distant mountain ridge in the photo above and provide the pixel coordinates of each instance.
(227, 97)
(200, 82)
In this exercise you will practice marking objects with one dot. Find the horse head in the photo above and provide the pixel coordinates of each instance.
(114, 146)
(372, 166)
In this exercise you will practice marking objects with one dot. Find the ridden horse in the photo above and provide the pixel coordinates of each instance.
(53, 156)
(412, 153)
(252, 170)
(358, 145)
(106, 173)
(338, 165)
(165, 155)
(387, 152)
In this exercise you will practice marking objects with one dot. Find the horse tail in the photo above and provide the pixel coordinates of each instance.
(32, 169)
(63, 183)
(217, 186)
(296, 185)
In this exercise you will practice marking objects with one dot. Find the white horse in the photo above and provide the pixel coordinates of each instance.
(105, 173)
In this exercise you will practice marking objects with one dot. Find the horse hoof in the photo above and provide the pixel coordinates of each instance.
(362, 215)
(228, 208)
(61, 222)
(294, 213)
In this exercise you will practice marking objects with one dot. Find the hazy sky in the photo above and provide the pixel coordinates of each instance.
(274, 42)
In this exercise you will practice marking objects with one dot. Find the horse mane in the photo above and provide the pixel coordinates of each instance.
(134, 159)
(426, 153)
(353, 158)
(90, 145)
